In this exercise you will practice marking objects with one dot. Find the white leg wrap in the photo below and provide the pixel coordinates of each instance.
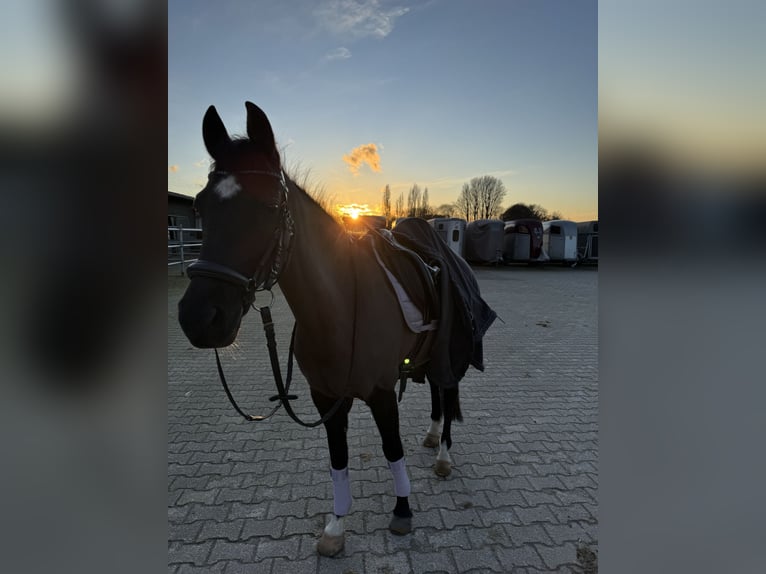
(401, 480)
(341, 491)
(435, 428)
(334, 527)
(443, 453)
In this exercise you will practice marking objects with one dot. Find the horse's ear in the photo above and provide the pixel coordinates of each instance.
(259, 130)
(214, 133)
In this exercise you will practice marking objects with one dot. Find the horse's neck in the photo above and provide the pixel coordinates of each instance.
(319, 282)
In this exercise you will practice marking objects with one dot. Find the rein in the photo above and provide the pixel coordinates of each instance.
(279, 253)
(282, 387)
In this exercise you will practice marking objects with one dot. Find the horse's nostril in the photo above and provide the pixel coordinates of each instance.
(215, 314)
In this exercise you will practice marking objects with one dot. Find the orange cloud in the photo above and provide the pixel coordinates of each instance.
(367, 153)
(173, 168)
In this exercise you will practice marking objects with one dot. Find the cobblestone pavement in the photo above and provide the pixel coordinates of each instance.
(522, 497)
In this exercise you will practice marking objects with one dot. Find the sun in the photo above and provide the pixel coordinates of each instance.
(353, 210)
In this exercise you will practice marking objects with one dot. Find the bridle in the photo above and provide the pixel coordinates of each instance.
(275, 258)
(266, 275)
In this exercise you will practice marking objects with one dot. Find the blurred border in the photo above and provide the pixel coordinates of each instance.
(682, 283)
(83, 124)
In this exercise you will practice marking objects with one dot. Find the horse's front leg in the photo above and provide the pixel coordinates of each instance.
(333, 538)
(386, 414)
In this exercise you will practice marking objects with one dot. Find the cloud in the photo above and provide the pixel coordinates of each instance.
(201, 163)
(173, 168)
(357, 18)
(367, 153)
(338, 54)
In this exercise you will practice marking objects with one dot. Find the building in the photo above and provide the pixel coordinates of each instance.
(181, 211)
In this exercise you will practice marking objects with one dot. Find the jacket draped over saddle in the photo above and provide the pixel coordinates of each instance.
(463, 316)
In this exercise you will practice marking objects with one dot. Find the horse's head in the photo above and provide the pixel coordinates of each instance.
(246, 229)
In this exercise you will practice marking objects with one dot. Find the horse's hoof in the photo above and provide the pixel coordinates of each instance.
(330, 545)
(443, 468)
(431, 440)
(400, 525)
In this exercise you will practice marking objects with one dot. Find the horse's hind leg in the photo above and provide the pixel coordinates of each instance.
(451, 407)
(333, 537)
(434, 431)
(386, 414)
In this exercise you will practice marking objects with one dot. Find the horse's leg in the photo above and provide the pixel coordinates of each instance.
(451, 407)
(333, 538)
(386, 414)
(434, 431)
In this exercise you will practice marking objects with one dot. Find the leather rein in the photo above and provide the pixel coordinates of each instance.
(267, 274)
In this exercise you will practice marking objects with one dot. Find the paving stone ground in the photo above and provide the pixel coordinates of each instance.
(522, 497)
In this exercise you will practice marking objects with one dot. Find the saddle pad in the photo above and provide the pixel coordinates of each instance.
(413, 316)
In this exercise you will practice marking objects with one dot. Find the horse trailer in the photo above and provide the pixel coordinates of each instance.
(484, 241)
(587, 241)
(452, 231)
(560, 240)
(523, 241)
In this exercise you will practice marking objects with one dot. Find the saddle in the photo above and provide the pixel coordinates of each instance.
(441, 286)
(416, 286)
(413, 280)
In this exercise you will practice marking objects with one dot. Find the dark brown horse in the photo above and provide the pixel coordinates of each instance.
(351, 338)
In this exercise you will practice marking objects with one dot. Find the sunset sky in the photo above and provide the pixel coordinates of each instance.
(366, 93)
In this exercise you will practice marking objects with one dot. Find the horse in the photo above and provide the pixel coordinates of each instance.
(350, 340)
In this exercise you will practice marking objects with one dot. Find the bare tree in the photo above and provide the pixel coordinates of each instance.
(425, 209)
(467, 203)
(445, 210)
(413, 201)
(387, 203)
(539, 211)
(481, 198)
(490, 192)
(399, 208)
(464, 203)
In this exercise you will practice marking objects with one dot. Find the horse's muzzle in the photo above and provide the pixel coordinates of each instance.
(209, 314)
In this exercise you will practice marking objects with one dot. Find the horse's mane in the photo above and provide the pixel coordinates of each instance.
(315, 192)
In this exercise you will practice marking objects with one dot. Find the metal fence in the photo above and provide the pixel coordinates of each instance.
(184, 244)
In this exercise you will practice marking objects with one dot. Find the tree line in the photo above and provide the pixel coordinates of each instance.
(417, 204)
(480, 198)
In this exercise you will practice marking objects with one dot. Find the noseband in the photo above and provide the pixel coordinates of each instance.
(272, 263)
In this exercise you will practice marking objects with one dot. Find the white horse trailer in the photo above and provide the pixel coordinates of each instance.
(560, 240)
(452, 231)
